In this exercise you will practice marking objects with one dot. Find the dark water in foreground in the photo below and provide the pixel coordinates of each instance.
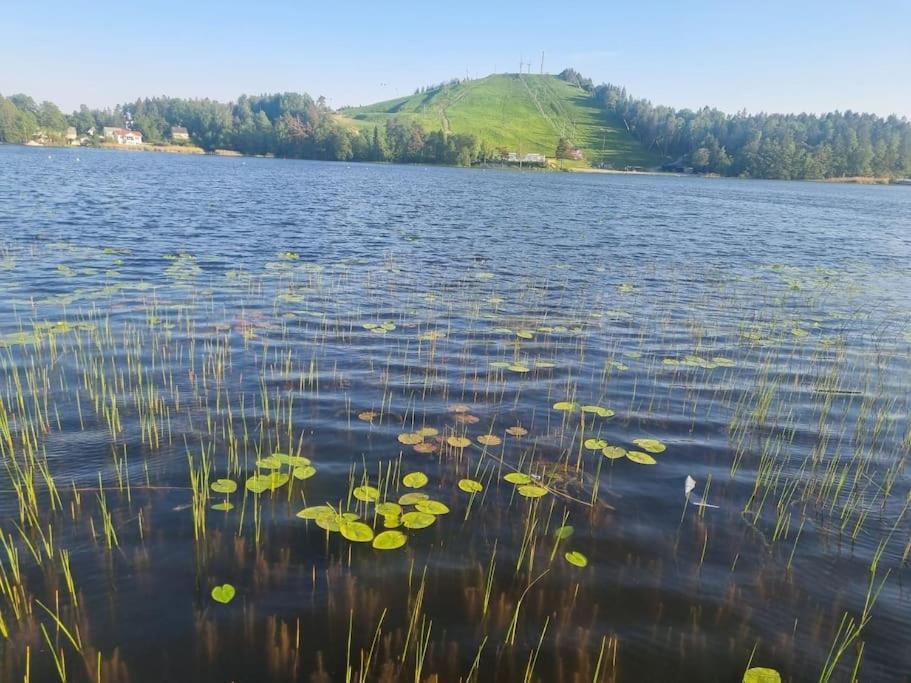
(166, 321)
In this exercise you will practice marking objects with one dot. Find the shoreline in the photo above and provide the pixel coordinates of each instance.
(144, 147)
(195, 150)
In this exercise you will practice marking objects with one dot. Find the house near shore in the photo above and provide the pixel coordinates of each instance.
(576, 154)
(122, 136)
(71, 136)
(179, 134)
(533, 158)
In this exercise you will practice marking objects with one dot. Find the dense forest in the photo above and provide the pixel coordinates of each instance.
(287, 124)
(295, 125)
(786, 146)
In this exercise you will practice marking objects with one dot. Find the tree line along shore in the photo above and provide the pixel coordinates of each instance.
(635, 135)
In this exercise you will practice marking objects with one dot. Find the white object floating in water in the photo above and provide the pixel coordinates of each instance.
(688, 487)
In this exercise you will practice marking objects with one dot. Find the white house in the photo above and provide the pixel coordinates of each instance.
(122, 136)
(532, 158)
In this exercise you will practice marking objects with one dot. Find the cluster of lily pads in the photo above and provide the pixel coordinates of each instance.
(647, 446)
(272, 478)
(395, 514)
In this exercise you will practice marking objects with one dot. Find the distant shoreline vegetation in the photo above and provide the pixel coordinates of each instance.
(837, 145)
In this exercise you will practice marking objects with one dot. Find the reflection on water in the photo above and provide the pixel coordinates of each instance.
(431, 424)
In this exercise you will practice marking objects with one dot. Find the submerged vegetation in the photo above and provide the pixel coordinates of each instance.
(361, 474)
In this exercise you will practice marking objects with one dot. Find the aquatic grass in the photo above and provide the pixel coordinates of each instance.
(799, 455)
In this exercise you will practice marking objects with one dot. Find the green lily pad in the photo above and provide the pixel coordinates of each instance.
(470, 485)
(224, 593)
(412, 498)
(415, 480)
(576, 558)
(595, 444)
(432, 507)
(356, 531)
(368, 494)
(389, 540)
(315, 511)
(566, 406)
(260, 483)
(563, 532)
(223, 506)
(225, 486)
(600, 411)
(418, 520)
(291, 460)
(329, 521)
(532, 491)
(386, 509)
(760, 674)
(270, 462)
(517, 478)
(613, 452)
(303, 472)
(641, 458)
(650, 445)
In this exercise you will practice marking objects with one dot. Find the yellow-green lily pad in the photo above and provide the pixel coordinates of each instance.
(303, 472)
(224, 486)
(415, 480)
(260, 483)
(566, 406)
(431, 507)
(389, 540)
(600, 411)
(387, 508)
(358, 532)
(418, 519)
(641, 458)
(224, 593)
(470, 485)
(532, 491)
(315, 511)
(574, 557)
(613, 452)
(368, 494)
(650, 445)
(412, 498)
(563, 532)
(759, 674)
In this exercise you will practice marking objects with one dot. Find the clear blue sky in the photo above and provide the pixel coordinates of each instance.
(800, 55)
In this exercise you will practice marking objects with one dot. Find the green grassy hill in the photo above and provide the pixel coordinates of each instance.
(523, 113)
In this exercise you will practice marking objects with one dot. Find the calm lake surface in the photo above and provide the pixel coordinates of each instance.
(167, 321)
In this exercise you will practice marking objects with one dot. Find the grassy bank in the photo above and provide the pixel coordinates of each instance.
(520, 113)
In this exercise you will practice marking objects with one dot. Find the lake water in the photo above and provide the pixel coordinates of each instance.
(167, 321)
